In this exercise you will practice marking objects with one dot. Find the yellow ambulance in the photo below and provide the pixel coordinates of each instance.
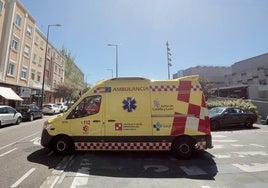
(134, 114)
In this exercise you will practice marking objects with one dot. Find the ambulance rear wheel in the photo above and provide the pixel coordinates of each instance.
(183, 147)
(63, 145)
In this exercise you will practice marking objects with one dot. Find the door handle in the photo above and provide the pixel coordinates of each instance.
(111, 120)
(96, 121)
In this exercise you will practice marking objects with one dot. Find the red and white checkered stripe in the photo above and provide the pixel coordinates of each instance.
(196, 88)
(201, 145)
(164, 88)
(134, 146)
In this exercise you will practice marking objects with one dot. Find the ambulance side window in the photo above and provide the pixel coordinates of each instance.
(89, 106)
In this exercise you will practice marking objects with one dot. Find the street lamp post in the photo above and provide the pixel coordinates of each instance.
(45, 63)
(112, 71)
(116, 48)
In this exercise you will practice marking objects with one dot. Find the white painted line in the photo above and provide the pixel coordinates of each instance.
(3, 154)
(193, 170)
(252, 153)
(225, 141)
(81, 177)
(257, 145)
(218, 146)
(3, 147)
(238, 145)
(23, 178)
(254, 167)
(54, 182)
(36, 138)
(218, 136)
(222, 156)
(50, 153)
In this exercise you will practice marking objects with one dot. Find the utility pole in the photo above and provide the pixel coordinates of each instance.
(168, 59)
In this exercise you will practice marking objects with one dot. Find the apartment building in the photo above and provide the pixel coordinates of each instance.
(22, 55)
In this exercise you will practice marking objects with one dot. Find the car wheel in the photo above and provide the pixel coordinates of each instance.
(248, 123)
(63, 145)
(214, 125)
(183, 147)
(18, 121)
(31, 117)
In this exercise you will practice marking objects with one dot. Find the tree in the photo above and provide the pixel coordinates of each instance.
(206, 86)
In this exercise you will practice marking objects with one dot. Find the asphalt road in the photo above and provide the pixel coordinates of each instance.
(239, 159)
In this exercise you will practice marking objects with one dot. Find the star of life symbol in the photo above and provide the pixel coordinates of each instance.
(129, 104)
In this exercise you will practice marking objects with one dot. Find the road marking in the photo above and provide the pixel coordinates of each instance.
(3, 154)
(157, 168)
(254, 167)
(257, 145)
(218, 136)
(225, 141)
(23, 178)
(218, 146)
(193, 170)
(81, 177)
(252, 153)
(3, 147)
(222, 156)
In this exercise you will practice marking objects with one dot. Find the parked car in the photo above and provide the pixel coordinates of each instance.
(63, 107)
(9, 115)
(30, 112)
(51, 109)
(230, 116)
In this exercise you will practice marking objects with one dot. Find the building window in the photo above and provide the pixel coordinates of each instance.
(24, 73)
(38, 76)
(42, 45)
(54, 83)
(262, 82)
(15, 43)
(1, 6)
(29, 31)
(34, 58)
(11, 69)
(40, 61)
(48, 51)
(36, 40)
(18, 20)
(56, 69)
(33, 75)
(27, 51)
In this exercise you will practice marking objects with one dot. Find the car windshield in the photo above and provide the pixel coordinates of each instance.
(216, 110)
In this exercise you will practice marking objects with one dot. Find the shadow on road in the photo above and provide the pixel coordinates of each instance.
(124, 164)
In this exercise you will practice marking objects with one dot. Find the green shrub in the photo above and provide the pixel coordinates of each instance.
(247, 105)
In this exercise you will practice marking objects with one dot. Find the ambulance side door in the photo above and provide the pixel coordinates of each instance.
(128, 110)
(86, 119)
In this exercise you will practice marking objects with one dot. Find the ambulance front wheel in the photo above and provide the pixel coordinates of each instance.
(183, 147)
(63, 145)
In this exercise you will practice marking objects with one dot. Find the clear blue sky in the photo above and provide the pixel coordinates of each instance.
(199, 32)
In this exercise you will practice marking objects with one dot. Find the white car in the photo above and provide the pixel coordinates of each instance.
(51, 109)
(9, 115)
(63, 106)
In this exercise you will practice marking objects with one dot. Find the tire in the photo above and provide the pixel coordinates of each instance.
(214, 125)
(18, 121)
(183, 147)
(249, 123)
(31, 117)
(63, 145)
